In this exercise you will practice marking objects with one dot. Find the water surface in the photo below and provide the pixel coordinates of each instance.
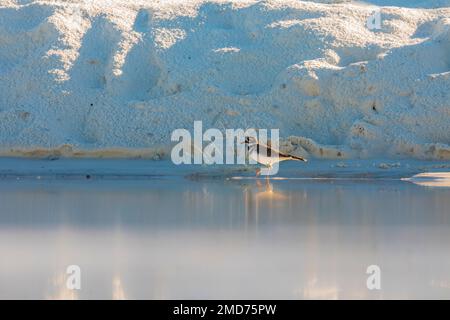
(224, 238)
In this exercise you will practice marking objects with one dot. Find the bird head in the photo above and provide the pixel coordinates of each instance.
(250, 140)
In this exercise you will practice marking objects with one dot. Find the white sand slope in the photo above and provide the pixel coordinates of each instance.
(115, 77)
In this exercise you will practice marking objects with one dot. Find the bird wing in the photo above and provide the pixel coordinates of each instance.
(270, 152)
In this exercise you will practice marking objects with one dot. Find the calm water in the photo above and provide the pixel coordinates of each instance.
(180, 238)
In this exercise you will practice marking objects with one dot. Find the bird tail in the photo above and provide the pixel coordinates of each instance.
(298, 158)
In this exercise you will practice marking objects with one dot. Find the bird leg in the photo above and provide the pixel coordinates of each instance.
(269, 166)
(258, 172)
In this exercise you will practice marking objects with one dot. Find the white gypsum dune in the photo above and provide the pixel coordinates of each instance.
(115, 77)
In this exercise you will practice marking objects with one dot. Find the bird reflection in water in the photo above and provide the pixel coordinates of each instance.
(262, 196)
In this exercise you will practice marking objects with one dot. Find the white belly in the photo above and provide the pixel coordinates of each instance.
(263, 159)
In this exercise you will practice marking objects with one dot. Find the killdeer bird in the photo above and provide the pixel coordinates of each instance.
(266, 155)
